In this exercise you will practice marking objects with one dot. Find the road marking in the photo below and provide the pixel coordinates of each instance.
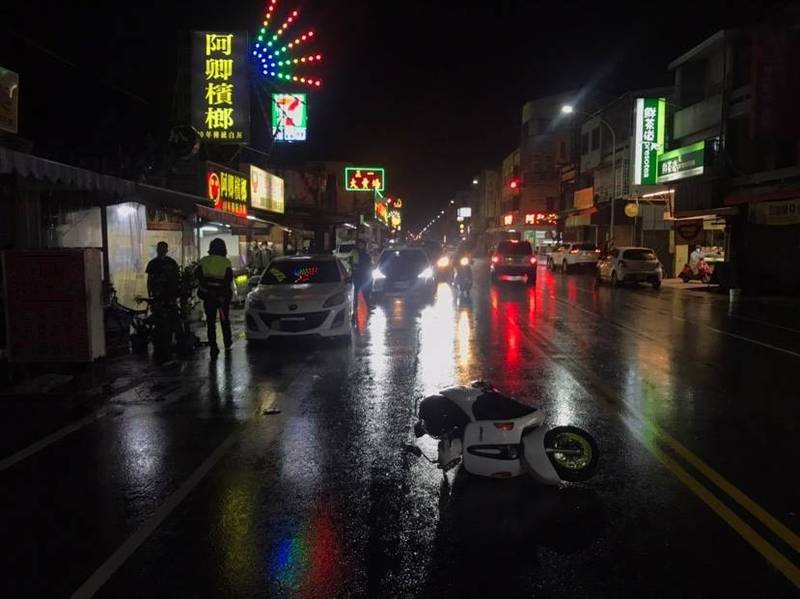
(102, 575)
(775, 557)
(41, 444)
(739, 497)
(692, 322)
(644, 335)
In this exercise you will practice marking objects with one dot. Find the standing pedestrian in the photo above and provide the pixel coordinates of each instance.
(163, 282)
(361, 269)
(215, 274)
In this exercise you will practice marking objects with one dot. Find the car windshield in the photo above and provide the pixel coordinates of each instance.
(403, 261)
(519, 248)
(639, 254)
(298, 272)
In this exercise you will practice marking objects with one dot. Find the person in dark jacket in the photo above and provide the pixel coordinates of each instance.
(215, 274)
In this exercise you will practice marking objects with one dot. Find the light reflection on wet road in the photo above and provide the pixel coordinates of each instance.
(319, 501)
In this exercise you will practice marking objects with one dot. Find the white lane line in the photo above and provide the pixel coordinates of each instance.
(680, 318)
(41, 444)
(102, 575)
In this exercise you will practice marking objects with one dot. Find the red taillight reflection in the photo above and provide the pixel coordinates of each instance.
(495, 259)
(504, 426)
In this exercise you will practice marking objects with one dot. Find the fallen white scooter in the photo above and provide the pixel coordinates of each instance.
(497, 436)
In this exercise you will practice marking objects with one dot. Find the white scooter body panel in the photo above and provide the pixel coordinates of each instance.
(535, 456)
(484, 433)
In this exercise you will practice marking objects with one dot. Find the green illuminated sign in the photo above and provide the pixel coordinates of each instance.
(648, 139)
(688, 161)
(364, 178)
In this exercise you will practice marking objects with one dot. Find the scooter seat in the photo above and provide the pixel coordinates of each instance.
(496, 406)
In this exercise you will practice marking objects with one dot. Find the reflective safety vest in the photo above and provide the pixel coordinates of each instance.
(214, 267)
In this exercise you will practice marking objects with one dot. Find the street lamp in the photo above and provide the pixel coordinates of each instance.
(569, 109)
(475, 181)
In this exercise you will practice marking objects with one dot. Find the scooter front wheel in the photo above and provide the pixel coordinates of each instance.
(573, 453)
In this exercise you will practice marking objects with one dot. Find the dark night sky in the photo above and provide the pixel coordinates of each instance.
(430, 89)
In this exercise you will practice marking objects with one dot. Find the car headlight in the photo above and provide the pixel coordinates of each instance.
(256, 304)
(334, 300)
(426, 274)
(377, 274)
(443, 262)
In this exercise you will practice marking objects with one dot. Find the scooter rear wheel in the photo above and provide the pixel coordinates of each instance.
(578, 459)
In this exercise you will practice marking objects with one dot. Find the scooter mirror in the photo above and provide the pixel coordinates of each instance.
(412, 449)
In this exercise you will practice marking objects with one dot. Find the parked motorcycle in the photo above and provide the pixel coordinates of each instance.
(462, 277)
(703, 273)
(497, 436)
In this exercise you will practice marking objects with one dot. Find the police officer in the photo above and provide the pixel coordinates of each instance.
(215, 274)
(361, 268)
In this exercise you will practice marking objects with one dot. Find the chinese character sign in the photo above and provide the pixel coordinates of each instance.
(228, 189)
(364, 179)
(289, 117)
(266, 190)
(681, 163)
(648, 139)
(220, 92)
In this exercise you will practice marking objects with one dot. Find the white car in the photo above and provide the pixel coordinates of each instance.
(571, 255)
(300, 295)
(630, 264)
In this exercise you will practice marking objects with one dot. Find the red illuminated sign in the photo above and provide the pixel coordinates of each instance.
(228, 189)
(508, 219)
(539, 218)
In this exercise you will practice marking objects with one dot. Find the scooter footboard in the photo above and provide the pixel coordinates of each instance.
(536, 459)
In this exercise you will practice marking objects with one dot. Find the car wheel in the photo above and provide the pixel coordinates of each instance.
(494, 277)
(656, 284)
(614, 280)
(565, 267)
(597, 278)
(550, 264)
(530, 278)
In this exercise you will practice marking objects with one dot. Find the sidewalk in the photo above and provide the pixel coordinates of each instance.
(690, 286)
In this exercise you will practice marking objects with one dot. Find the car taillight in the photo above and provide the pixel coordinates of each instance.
(533, 260)
(504, 426)
(573, 251)
(495, 259)
(597, 251)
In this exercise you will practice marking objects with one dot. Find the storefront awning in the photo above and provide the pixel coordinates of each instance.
(168, 198)
(577, 212)
(27, 165)
(220, 216)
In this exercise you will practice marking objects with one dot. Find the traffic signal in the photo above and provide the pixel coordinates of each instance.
(514, 184)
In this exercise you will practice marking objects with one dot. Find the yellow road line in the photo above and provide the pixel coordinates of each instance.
(772, 555)
(743, 500)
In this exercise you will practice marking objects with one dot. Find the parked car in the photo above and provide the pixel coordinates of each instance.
(300, 295)
(572, 255)
(630, 264)
(403, 271)
(513, 259)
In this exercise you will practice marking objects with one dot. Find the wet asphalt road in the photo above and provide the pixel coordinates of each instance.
(185, 484)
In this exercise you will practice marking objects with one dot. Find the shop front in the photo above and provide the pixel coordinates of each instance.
(767, 240)
(538, 228)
